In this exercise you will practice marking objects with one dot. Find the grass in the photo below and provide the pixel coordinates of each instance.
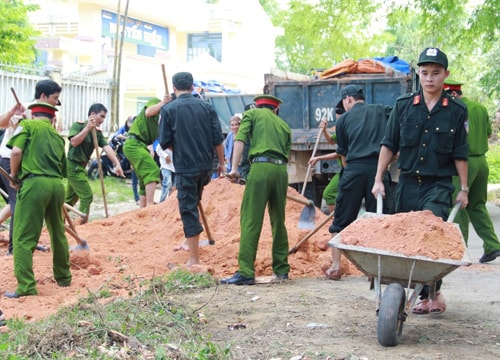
(148, 326)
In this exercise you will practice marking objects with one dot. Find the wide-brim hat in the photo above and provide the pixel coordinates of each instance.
(452, 85)
(44, 108)
(267, 100)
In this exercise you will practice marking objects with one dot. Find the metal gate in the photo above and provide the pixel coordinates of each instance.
(79, 92)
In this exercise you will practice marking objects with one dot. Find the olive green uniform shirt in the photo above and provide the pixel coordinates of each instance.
(146, 128)
(53, 163)
(81, 153)
(265, 133)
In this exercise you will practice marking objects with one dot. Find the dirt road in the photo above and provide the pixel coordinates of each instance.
(320, 319)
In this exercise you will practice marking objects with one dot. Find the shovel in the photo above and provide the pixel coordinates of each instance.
(210, 240)
(314, 231)
(70, 229)
(308, 214)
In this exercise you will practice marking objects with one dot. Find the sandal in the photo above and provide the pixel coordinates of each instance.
(437, 305)
(422, 307)
(333, 274)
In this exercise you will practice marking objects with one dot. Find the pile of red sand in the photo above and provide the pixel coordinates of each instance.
(413, 233)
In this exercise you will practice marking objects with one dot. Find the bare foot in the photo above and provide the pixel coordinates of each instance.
(183, 246)
(192, 263)
(333, 274)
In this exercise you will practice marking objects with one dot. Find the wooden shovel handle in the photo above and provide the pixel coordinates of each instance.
(309, 166)
(99, 167)
(300, 200)
(311, 233)
(211, 240)
(165, 82)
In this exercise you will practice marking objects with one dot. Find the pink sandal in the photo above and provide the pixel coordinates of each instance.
(422, 307)
(437, 305)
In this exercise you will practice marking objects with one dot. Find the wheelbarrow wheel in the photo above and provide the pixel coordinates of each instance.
(391, 315)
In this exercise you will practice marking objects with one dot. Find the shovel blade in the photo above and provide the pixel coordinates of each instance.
(307, 218)
(80, 247)
(206, 242)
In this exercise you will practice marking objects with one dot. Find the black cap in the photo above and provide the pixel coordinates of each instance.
(433, 55)
(339, 109)
(182, 80)
(351, 90)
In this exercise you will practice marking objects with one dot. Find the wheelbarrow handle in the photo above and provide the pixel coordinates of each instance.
(454, 212)
(380, 203)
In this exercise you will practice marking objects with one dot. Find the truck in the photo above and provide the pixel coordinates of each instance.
(306, 102)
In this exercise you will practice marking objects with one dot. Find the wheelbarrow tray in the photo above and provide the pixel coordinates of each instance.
(392, 267)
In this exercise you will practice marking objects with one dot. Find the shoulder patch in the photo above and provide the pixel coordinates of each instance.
(458, 102)
(406, 96)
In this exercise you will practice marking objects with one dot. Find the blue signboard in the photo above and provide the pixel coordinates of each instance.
(136, 31)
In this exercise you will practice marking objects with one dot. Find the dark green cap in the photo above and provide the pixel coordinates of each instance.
(433, 55)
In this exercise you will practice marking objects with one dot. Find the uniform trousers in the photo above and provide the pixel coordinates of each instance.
(78, 187)
(145, 167)
(476, 211)
(39, 198)
(425, 193)
(267, 185)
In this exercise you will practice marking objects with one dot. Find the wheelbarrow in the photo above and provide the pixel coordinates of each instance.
(401, 274)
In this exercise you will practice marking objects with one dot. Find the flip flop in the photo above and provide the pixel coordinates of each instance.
(422, 307)
(333, 274)
(437, 305)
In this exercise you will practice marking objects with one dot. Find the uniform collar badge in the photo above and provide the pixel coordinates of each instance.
(416, 100)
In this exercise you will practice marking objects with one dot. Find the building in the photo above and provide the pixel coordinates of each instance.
(231, 41)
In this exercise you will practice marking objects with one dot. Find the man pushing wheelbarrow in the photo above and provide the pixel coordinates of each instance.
(427, 129)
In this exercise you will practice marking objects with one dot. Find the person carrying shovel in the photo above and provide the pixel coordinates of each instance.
(191, 128)
(270, 141)
(38, 164)
(81, 147)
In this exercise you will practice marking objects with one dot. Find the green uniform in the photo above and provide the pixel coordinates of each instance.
(331, 190)
(267, 184)
(143, 132)
(40, 197)
(78, 186)
(479, 130)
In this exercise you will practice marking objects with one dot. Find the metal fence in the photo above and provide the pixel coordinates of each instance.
(79, 92)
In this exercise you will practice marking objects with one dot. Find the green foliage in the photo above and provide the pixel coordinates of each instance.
(493, 157)
(181, 280)
(151, 324)
(17, 44)
(320, 33)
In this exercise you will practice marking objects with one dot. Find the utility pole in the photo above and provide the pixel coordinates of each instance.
(117, 64)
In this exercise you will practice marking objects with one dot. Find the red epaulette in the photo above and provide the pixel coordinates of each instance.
(445, 102)
(416, 100)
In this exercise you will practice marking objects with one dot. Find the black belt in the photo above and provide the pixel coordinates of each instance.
(423, 179)
(268, 160)
(29, 176)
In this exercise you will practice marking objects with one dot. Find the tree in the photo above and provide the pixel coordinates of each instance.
(319, 33)
(17, 36)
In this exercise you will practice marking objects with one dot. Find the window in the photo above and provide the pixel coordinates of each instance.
(204, 43)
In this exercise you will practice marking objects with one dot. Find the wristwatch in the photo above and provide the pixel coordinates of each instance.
(464, 188)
